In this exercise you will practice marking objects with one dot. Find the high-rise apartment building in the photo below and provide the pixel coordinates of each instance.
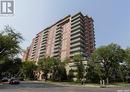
(67, 37)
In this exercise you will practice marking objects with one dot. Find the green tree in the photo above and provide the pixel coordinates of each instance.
(78, 58)
(71, 75)
(11, 68)
(91, 74)
(28, 70)
(9, 49)
(9, 43)
(59, 72)
(54, 67)
(122, 72)
(107, 59)
(127, 58)
(45, 64)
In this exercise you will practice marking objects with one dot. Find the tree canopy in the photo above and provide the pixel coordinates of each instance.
(107, 59)
(9, 48)
(9, 43)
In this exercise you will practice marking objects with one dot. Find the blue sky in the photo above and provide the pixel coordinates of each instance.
(111, 18)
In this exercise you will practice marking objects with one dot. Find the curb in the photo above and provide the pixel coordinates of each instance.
(86, 85)
(75, 85)
(61, 84)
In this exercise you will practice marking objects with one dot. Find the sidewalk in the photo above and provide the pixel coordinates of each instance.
(72, 84)
(86, 85)
(79, 85)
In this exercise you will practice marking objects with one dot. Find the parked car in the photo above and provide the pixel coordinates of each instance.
(5, 79)
(14, 81)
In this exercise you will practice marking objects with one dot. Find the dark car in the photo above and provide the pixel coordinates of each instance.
(14, 81)
(5, 79)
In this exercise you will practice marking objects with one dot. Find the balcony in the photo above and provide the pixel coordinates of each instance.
(43, 49)
(58, 34)
(75, 49)
(57, 47)
(56, 50)
(43, 52)
(75, 40)
(32, 58)
(76, 24)
(45, 34)
(59, 30)
(75, 17)
(45, 31)
(56, 53)
(44, 40)
(79, 31)
(43, 43)
(59, 27)
(41, 56)
(77, 20)
(43, 46)
(35, 45)
(75, 53)
(57, 43)
(44, 37)
(57, 40)
(75, 45)
(33, 54)
(76, 36)
(35, 42)
(78, 49)
(77, 27)
(72, 54)
(34, 49)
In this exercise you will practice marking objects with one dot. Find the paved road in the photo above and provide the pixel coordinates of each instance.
(43, 87)
(28, 85)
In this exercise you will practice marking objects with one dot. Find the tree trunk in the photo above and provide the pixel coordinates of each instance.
(103, 82)
(107, 80)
